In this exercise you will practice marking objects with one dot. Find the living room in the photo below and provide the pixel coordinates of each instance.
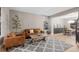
(43, 28)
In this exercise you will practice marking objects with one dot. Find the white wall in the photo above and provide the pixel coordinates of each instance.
(4, 21)
(62, 20)
(56, 21)
(28, 20)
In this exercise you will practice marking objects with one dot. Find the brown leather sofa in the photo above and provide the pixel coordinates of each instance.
(29, 32)
(13, 40)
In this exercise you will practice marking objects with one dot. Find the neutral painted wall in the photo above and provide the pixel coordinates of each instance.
(28, 20)
(62, 20)
(0, 11)
(56, 22)
(4, 21)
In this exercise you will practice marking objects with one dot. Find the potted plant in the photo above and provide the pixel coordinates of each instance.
(16, 23)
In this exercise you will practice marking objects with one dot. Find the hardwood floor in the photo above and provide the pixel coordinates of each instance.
(67, 39)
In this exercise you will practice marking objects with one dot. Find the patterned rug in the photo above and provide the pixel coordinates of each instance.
(50, 45)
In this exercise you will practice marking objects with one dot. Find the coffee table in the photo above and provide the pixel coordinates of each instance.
(36, 38)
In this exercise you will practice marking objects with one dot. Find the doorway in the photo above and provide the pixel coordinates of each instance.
(64, 27)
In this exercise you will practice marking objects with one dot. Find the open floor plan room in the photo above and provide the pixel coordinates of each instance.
(39, 29)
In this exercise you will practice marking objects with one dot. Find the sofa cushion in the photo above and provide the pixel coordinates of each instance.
(12, 34)
(31, 31)
(35, 30)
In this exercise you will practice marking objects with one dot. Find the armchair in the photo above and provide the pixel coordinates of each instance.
(13, 40)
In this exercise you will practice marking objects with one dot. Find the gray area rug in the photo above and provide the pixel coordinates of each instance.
(50, 45)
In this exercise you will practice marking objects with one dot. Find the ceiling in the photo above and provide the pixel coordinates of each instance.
(45, 11)
(73, 15)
